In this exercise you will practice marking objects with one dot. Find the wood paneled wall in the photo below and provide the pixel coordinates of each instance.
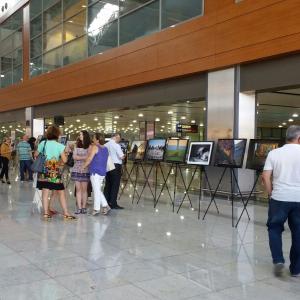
(227, 34)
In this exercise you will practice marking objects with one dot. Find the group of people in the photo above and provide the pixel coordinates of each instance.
(91, 157)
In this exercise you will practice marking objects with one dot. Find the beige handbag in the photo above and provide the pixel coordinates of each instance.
(110, 164)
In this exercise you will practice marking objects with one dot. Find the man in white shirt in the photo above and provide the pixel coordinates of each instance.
(113, 178)
(281, 177)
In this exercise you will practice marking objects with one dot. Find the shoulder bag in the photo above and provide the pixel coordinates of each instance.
(38, 166)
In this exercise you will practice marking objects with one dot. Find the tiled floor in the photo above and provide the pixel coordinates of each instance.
(135, 254)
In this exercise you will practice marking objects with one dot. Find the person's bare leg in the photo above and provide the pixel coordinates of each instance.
(45, 195)
(63, 202)
(78, 194)
(52, 199)
(84, 193)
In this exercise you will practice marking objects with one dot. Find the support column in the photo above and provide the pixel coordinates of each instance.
(29, 120)
(230, 114)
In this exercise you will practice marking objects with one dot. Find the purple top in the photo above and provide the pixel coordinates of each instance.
(99, 163)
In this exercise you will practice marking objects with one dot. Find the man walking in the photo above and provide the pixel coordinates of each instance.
(113, 178)
(25, 158)
(281, 177)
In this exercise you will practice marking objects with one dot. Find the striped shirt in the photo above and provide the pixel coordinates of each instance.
(24, 151)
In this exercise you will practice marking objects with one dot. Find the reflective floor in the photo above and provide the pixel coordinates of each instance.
(135, 254)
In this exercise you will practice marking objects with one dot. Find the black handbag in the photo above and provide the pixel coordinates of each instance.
(38, 165)
(70, 161)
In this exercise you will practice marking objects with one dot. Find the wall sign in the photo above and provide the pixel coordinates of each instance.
(187, 128)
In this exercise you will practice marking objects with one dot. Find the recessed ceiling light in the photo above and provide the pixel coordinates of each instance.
(83, 6)
(183, 118)
(130, 125)
(188, 101)
(134, 121)
(201, 124)
(2, 76)
(77, 120)
(280, 126)
(291, 120)
(157, 119)
(204, 108)
(295, 115)
(116, 117)
(115, 122)
(283, 123)
(140, 115)
(170, 112)
(96, 119)
(193, 121)
(162, 126)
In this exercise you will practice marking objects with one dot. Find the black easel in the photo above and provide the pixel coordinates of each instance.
(177, 167)
(202, 171)
(258, 173)
(133, 170)
(157, 166)
(233, 180)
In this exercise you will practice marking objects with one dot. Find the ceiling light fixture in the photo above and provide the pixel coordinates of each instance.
(291, 120)
(295, 116)
(140, 115)
(170, 112)
(157, 119)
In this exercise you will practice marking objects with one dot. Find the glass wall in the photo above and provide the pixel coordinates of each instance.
(11, 50)
(66, 31)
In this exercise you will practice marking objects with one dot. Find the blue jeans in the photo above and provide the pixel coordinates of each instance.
(25, 165)
(279, 213)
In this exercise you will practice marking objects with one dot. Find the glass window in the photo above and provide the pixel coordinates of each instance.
(103, 38)
(72, 7)
(36, 47)
(16, 20)
(53, 38)
(36, 26)
(48, 3)
(18, 38)
(52, 60)
(17, 57)
(75, 27)
(6, 46)
(35, 8)
(128, 5)
(36, 66)
(75, 51)
(102, 13)
(175, 11)
(52, 16)
(6, 63)
(6, 79)
(17, 74)
(147, 19)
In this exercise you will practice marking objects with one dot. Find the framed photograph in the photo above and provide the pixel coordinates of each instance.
(258, 152)
(137, 150)
(230, 153)
(124, 146)
(155, 149)
(200, 153)
(176, 150)
(63, 139)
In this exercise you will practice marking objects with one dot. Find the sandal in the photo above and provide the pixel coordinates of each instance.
(69, 217)
(47, 217)
(53, 212)
(105, 210)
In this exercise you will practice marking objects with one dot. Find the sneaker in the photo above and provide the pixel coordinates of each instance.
(83, 211)
(295, 275)
(278, 269)
(8, 182)
(78, 211)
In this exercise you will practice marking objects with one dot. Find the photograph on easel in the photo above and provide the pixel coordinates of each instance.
(176, 150)
(258, 152)
(200, 153)
(155, 149)
(124, 146)
(230, 153)
(137, 150)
